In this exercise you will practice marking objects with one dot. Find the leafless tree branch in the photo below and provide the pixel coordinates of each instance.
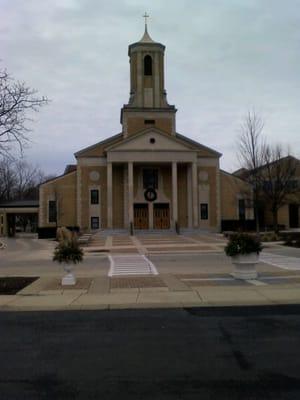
(17, 102)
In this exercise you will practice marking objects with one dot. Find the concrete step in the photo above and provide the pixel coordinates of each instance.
(131, 265)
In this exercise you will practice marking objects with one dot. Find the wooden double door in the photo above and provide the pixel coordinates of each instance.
(141, 216)
(161, 216)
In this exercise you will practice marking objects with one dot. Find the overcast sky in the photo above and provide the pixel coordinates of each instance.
(223, 57)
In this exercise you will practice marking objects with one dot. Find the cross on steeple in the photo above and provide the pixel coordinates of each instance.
(145, 16)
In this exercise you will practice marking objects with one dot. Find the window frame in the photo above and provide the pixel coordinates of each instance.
(94, 201)
(96, 218)
(242, 209)
(52, 217)
(148, 65)
(154, 185)
(204, 211)
(149, 121)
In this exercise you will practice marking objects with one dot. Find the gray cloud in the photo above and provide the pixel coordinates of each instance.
(222, 58)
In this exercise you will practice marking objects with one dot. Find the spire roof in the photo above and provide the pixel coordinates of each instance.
(146, 37)
(145, 40)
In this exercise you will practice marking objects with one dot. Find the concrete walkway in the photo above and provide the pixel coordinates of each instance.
(157, 243)
(285, 262)
(164, 290)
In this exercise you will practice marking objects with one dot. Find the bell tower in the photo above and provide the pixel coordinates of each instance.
(148, 99)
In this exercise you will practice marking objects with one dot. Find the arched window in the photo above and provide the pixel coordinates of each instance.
(147, 65)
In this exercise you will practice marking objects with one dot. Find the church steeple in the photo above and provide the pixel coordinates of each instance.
(147, 91)
(146, 37)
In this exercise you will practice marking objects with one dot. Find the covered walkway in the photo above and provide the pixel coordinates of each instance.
(20, 215)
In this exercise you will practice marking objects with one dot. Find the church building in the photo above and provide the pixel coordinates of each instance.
(148, 176)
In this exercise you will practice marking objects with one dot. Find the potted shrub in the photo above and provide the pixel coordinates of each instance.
(244, 251)
(68, 252)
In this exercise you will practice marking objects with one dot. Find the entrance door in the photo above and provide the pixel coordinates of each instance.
(161, 216)
(141, 216)
(11, 225)
(294, 215)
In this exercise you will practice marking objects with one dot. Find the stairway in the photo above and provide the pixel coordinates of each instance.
(130, 264)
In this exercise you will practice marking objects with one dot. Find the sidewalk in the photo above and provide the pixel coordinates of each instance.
(162, 291)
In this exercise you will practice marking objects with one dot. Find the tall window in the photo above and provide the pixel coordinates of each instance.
(150, 178)
(148, 65)
(94, 196)
(242, 209)
(204, 211)
(52, 211)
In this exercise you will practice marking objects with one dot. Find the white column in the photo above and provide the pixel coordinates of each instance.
(130, 192)
(109, 196)
(174, 193)
(195, 195)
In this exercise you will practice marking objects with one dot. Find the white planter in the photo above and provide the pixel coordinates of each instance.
(245, 266)
(70, 278)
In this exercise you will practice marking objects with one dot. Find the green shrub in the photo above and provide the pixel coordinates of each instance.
(68, 251)
(243, 243)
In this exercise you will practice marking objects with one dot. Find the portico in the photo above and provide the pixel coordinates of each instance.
(155, 151)
(145, 212)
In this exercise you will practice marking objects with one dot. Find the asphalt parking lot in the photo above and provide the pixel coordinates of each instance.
(216, 353)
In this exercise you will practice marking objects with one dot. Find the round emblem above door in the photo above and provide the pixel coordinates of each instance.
(150, 194)
(94, 176)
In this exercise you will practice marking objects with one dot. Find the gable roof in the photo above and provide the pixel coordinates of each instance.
(82, 153)
(70, 168)
(59, 176)
(244, 172)
(233, 175)
(140, 141)
(118, 139)
(198, 145)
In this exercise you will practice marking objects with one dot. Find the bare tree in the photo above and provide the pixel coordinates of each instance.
(251, 150)
(7, 179)
(26, 179)
(17, 102)
(19, 180)
(278, 181)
